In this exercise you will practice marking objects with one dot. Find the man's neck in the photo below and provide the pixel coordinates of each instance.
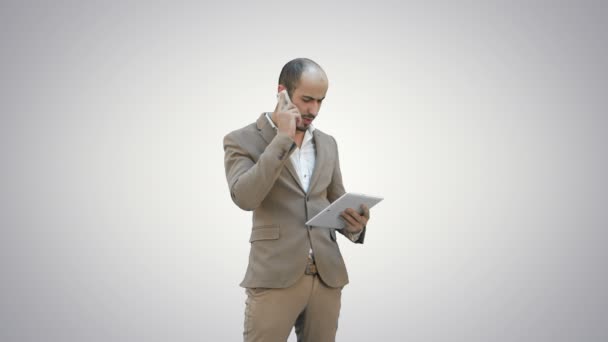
(299, 138)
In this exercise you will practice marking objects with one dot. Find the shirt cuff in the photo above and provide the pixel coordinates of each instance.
(354, 237)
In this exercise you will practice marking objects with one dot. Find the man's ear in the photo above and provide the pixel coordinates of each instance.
(281, 88)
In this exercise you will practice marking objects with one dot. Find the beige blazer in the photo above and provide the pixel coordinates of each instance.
(262, 179)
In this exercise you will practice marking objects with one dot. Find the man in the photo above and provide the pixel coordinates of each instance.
(286, 171)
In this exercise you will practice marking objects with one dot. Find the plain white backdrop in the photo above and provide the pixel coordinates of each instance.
(482, 124)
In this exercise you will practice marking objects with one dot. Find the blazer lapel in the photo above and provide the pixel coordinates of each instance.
(321, 155)
(268, 133)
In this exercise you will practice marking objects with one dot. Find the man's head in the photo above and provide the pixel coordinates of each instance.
(306, 83)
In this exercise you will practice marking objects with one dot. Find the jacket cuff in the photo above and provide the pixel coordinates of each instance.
(282, 146)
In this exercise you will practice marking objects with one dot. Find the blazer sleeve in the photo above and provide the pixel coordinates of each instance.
(335, 190)
(249, 182)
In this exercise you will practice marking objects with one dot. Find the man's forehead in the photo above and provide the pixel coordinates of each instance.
(313, 88)
(311, 96)
(316, 91)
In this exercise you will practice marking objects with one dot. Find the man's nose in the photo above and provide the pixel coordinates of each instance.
(314, 108)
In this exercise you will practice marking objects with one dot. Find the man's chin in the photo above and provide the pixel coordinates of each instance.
(301, 128)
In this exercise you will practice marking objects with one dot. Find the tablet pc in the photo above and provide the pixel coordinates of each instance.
(330, 216)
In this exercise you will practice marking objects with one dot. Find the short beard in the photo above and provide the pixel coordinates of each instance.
(301, 129)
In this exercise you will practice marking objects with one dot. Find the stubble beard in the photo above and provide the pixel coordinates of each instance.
(304, 127)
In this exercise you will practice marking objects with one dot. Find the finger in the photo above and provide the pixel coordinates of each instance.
(365, 211)
(350, 220)
(294, 111)
(354, 215)
(364, 221)
(361, 219)
(296, 115)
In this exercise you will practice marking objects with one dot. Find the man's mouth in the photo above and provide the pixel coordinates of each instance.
(308, 119)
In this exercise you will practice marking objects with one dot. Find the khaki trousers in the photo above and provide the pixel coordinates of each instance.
(309, 305)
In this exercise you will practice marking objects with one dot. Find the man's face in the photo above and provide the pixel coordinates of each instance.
(308, 96)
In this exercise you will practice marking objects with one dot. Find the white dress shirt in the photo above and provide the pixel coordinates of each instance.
(304, 157)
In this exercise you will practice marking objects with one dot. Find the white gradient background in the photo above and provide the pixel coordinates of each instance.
(483, 124)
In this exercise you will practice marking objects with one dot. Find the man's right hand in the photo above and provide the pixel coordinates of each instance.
(286, 115)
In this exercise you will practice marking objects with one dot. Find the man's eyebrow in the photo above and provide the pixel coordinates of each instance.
(310, 97)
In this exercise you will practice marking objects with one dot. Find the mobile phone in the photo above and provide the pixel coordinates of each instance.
(283, 99)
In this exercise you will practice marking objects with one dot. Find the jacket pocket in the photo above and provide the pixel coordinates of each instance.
(270, 232)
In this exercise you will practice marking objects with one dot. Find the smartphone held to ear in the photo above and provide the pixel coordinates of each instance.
(283, 100)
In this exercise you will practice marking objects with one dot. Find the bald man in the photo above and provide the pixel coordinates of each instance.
(286, 171)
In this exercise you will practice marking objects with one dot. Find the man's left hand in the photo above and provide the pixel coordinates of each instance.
(355, 222)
